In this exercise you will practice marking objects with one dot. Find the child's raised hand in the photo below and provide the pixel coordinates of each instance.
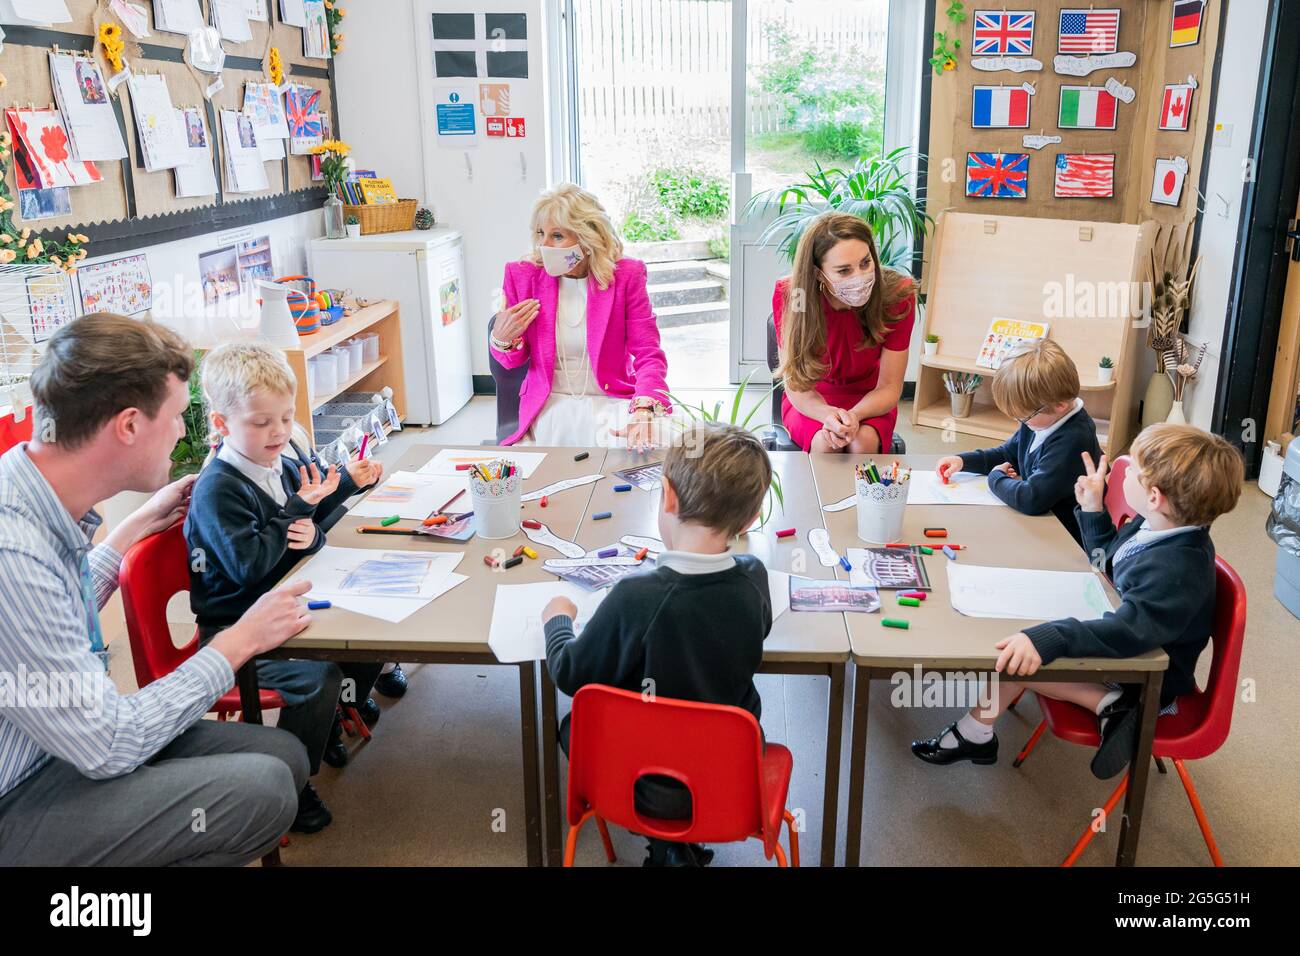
(302, 534)
(1018, 655)
(948, 466)
(557, 606)
(1090, 487)
(314, 489)
(366, 472)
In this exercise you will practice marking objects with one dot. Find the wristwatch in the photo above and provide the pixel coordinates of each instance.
(645, 403)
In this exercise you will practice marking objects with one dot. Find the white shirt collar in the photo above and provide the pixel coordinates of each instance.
(689, 562)
(1041, 435)
(268, 479)
(1144, 537)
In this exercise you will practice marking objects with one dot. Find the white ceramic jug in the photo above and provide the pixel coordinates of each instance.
(276, 325)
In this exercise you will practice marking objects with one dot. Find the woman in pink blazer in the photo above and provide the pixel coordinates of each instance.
(578, 315)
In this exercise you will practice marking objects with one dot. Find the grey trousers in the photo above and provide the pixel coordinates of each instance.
(220, 794)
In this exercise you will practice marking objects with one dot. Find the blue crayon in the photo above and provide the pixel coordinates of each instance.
(607, 553)
(952, 555)
(317, 605)
(622, 487)
(844, 563)
(601, 515)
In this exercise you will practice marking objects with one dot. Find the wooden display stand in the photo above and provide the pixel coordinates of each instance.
(1014, 267)
(381, 317)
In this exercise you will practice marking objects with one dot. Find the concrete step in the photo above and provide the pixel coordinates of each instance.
(694, 313)
(685, 270)
(670, 251)
(685, 293)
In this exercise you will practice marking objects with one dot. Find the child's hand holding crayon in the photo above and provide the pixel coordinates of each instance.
(365, 472)
(557, 606)
(314, 489)
(948, 466)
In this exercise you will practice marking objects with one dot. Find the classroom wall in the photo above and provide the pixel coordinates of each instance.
(385, 88)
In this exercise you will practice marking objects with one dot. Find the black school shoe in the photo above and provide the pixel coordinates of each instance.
(336, 753)
(668, 853)
(369, 711)
(1119, 733)
(392, 684)
(312, 815)
(931, 752)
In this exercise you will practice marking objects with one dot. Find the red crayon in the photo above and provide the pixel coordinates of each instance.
(436, 519)
(545, 499)
(919, 595)
(532, 523)
(489, 561)
(518, 551)
(362, 453)
(464, 467)
(786, 533)
(640, 555)
(936, 532)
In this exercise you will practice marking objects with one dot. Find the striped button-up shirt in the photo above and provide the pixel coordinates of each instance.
(55, 699)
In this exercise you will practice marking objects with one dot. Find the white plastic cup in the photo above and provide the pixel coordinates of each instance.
(497, 505)
(370, 346)
(343, 369)
(357, 358)
(326, 373)
(880, 511)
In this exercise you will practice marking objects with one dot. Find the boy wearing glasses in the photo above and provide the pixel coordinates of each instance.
(1034, 471)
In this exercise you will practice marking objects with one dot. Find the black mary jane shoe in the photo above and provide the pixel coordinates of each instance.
(1119, 733)
(667, 853)
(392, 684)
(312, 814)
(931, 752)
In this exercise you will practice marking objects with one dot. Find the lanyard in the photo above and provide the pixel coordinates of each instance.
(92, 613)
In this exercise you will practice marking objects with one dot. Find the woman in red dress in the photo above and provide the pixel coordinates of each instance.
(844, 324)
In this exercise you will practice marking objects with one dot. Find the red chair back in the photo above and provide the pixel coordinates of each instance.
(12, 432)
(617, 737)
(152, 571)
(1116, 504)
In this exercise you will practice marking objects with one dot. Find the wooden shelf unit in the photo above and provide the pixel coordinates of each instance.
(1046, 269)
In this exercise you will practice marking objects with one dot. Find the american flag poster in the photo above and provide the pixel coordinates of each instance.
(997, 175)
(1088, 31)
(1003, 33)
(1086, 107)
(1085, 176)
(1176, 107)
(999, 107)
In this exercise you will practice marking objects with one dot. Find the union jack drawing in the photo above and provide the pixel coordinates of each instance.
(1003, 33)
(301, 104)
(997, 175)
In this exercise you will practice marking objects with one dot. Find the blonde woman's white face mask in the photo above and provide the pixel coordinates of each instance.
(560, 260)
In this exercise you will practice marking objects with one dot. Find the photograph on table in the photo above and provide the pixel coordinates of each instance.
(808, 594)
(459, 527)
(648, 477)
(888, 568)
(219, 274)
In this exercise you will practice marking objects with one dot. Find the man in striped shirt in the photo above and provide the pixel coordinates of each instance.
(88, 775)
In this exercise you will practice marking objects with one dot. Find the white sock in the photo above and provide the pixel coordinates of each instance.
(388, 668)
(1109, 699)
(971, 729)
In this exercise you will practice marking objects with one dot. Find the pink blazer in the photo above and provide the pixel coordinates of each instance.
(622, 337)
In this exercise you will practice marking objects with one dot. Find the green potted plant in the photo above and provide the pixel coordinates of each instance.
(354, 227)
(191, 451)
(1105, 370)
(931, 343)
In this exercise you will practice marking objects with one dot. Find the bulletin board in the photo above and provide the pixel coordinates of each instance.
(131, 207)
(1144, 30)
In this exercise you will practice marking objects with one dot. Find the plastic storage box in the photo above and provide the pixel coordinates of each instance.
(1284, 528)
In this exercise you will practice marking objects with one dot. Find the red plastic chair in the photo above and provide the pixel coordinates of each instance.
(1116, 504)
(1198, 729)
(12, 432)
(738, 787)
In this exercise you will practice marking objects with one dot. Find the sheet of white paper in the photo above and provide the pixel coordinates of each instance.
(1025, 594)
(229, 17)
(371, 573)
(516, 633)
(197, 177)
(391, 608)
(778, 585)
(963, 488)
(564, 484)
(244, 168)
(133, 16)
(411, 495)
(445, 462)
(270, 149)
(34, 11)
(255, 10)
(82, 97)
(293, 13)
(162, 138)
(177, 16)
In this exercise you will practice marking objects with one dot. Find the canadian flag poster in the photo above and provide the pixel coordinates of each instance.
(1167, 188)
(1176, 107)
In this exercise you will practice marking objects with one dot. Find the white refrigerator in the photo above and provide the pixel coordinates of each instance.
(424, 271)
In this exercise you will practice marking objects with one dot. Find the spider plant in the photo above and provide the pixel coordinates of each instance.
(876, 189)
(189, 454)
(700, 413)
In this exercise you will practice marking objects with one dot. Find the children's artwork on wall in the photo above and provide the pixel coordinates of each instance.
(1084, 176)
(255, 10)
(997, 175)
(245, 170)
(1084, 65)
(51, 304)
(480, 44)
(318, 174)
(161, 138)
(177, 16)
(34, 204)
(219, 274)
(316, 32)
(45, 145)
(302, 112)
(999, 107)
(1185, 29)
(1167, 187)
(195, 178)
(1016, 64)
(292, 13)
(1120, 90)
(1003, 33)
(123, 285)
(1038, 140)
(1090, 31)
(231, 21)
(1176, 107)
(1086, 107)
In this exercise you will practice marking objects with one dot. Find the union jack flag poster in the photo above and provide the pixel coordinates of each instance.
(997, 175)
(1085, 175)
(302, 110)
(1003, 33)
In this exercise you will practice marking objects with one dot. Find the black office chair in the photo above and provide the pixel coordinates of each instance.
(775, 437)
(508, 382)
